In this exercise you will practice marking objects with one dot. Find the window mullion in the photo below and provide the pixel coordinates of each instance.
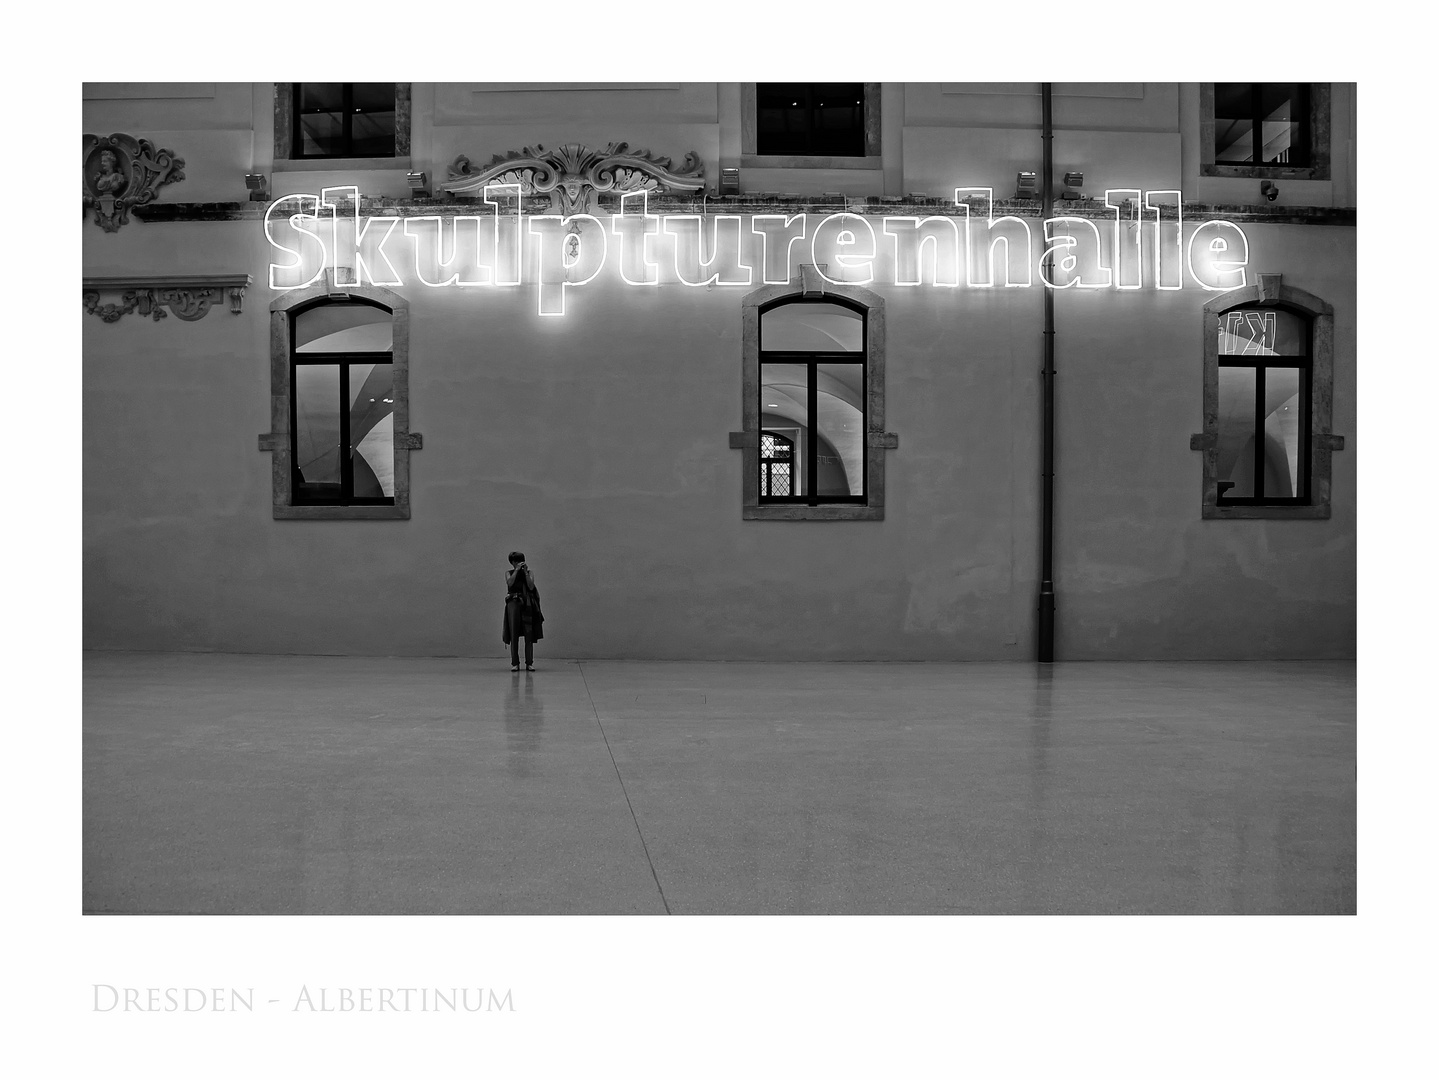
(812, 439)
(347, 123)
(347, 467)
(1259, 431)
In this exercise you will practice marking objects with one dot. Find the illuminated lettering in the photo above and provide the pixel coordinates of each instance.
(634, 231)
(723, 266)
(1223, 255)
(509, 253)
(1126, 250)
(1073, 260)
(853, 246)
(1014, 236)
(306, 208)
(426, 236)
(912, 237)
(368, 250)
(777, 235)
(554, 271)
(1168, 258)
(309, 235)
(330, 199)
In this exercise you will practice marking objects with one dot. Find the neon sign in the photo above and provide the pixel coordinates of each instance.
(500, 247)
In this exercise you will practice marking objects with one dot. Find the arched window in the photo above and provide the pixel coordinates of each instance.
(813, 403)
(812, 378)
(1268, 403)
(339, 403)
(342, 404)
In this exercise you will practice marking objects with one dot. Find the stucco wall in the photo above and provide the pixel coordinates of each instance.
(597, 443)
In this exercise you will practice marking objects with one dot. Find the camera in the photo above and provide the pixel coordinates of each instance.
(1269, 189)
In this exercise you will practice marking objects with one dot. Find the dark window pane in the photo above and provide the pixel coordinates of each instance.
(1284, 123)
(1236, 432)
(372, 430)
(322, 134)
(317, 429)
(839, 423)
(1283, 464)
(1233, 141)
(322, 97)
(373, 97)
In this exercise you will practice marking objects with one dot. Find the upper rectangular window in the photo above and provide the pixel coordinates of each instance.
(1276, 131)
(343, 120)
(810, 119)
(1262, 124)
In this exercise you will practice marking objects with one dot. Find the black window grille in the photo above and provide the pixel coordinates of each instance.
(776, 464)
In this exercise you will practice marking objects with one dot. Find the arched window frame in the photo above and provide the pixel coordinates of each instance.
(1271, 292)
(877, 440)
(278, 442)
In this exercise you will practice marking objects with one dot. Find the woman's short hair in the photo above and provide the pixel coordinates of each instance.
(516, 557)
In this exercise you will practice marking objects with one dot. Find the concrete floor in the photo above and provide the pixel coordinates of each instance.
(281, 784)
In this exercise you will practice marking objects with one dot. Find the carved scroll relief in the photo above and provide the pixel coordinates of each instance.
(572, 174)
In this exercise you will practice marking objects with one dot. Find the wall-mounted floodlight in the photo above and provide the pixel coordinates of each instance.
(1026, 185)
(1073, 181)
(259, 186)
(729, 182)
(419, 185)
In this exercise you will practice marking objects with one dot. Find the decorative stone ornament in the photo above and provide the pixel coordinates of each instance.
(189, 298)
(121, 171)
(572, 174)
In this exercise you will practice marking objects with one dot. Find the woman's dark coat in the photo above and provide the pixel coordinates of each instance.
(523, 617)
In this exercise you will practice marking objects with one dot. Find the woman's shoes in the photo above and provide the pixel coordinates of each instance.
(529, 667)
(514, 667)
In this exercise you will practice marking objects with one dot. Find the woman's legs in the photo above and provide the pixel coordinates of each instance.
(529, 653)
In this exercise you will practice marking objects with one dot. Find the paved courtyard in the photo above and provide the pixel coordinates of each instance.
(288, 784)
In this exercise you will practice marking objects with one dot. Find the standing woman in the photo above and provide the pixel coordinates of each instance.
(523, 617)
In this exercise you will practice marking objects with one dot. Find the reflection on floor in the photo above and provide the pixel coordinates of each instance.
(222, 783)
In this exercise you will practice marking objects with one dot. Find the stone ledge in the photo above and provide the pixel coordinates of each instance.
(872, 205)
(189, 298)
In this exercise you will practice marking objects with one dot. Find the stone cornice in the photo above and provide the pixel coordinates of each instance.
(754, 204)
(188, 297)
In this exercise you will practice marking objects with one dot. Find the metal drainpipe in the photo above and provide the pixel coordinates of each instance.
(1046, 584)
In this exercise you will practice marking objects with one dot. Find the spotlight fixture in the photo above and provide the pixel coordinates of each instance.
(1073, 181)
(259, 186)
(1026, 185)
(419, 185)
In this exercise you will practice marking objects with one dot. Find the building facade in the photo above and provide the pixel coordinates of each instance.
(748, 371)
